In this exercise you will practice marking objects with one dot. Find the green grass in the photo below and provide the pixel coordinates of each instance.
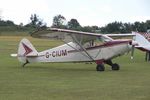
(14, 33)
(70, 81)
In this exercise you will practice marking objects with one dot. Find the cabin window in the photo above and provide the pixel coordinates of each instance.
(92, 43)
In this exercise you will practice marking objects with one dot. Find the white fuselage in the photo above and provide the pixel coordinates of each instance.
(72, 52)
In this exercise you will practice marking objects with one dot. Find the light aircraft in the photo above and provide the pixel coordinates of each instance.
(79, 47)
(143, 43)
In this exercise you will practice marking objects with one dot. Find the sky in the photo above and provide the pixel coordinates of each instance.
(87, 12)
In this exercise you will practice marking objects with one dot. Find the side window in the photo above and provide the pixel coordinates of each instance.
(98, 41)
(92, 43)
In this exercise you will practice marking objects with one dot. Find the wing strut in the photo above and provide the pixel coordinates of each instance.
(88, 55)
(75, 49)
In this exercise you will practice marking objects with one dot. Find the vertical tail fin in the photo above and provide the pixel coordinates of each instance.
(26, 49)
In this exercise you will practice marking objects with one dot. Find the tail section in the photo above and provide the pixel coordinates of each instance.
(26, 49)
(143, 43)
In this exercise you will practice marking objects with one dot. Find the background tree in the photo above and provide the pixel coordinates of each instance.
(115, 27)
(7, 23)
(93, 29)
(140, 27)
(36, 22)
(59, 21)
(74, 24)
(0, 14)
(147, 24)
(127, 27)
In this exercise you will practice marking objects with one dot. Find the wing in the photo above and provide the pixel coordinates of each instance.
(68, 35)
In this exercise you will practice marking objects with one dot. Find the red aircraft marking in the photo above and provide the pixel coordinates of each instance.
(27, 49)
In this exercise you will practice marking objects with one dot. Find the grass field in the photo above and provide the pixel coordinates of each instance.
(70, 81)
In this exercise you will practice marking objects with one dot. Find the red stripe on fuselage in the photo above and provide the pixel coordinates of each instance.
(107, 44)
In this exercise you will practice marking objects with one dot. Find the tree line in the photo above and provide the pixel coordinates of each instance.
(60, 21)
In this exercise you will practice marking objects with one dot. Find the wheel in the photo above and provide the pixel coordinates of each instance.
(100, 67)
(115, 67)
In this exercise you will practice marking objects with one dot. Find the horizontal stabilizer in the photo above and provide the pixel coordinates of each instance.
(13, 55)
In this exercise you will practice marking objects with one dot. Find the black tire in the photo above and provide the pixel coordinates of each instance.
(115, 67)
(100, 67)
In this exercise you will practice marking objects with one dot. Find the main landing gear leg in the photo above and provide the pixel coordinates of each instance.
(114, 66)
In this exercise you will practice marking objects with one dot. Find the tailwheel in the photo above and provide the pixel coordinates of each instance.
(25, 63)
(100, 67)
(115, 66)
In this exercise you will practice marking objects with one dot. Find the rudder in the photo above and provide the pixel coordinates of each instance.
(26, 49)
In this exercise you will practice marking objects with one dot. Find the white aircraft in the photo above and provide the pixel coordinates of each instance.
(143, 43)
(79, 47)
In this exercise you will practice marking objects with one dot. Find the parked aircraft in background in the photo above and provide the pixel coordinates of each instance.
(144, 43)
(79, 47)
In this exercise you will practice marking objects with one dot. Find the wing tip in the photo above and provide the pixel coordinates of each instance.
(13, 55)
